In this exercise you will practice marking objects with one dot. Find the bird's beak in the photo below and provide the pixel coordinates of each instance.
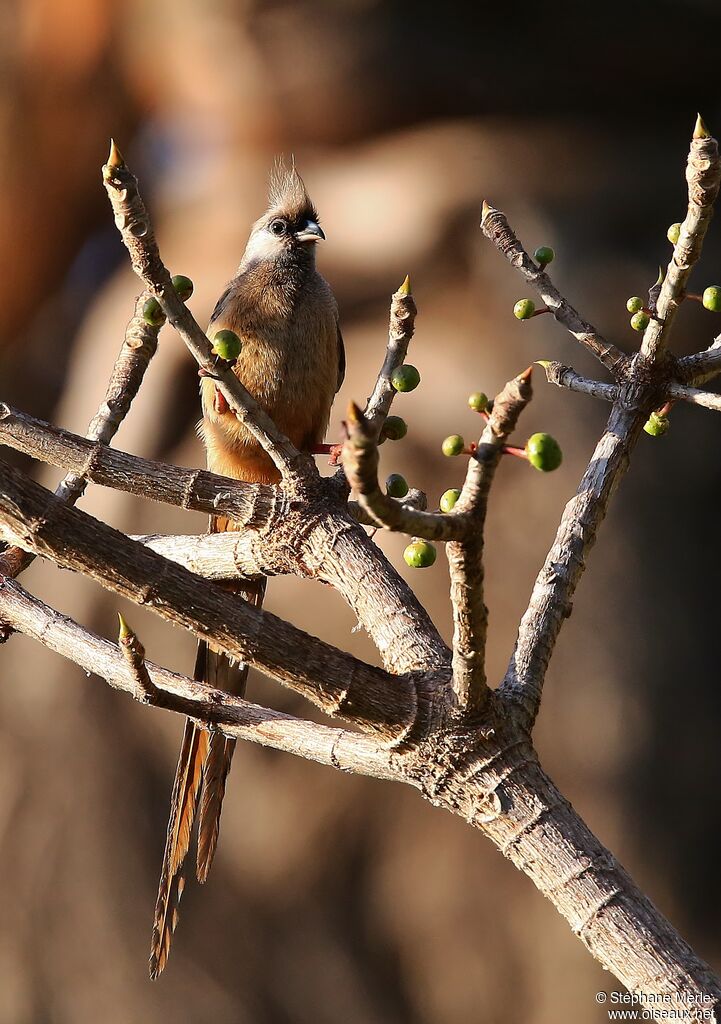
(310, 232)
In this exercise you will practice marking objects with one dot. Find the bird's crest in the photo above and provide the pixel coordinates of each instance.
(287, 193)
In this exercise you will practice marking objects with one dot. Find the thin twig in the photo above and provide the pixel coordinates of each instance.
(360, 462)
(232, 715)
(400, 332)
(566, 377)
(134, 653)
(703, 174)
(496, 227)
(336, 682)
(133, 222)
(139, 346)
(465, 556)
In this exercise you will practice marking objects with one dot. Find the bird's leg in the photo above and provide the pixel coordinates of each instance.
(333, 451)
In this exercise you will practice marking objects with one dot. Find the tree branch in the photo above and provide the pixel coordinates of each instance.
(233, 716)
(496, 228)
(566, 377)
(708, 399)
(703, 174)
(465, 556)
(139, 346)
(337, 683)
(400, 332)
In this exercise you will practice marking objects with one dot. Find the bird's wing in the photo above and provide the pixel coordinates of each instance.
(341, 358)
(220, 305)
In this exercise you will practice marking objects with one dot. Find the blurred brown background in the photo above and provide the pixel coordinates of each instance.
(336, 898)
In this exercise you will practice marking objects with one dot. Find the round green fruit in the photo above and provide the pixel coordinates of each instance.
(634, 304)
(640, 321)
(712, 298)
(673, 234)
(394, 428)
(544, 255)
(153, 313)
(396, 486)
(406, 378)
(453, 445)
(227, 345)
(449, 499)
(544, 452)
(524, 309)
(419, 554)
(183, 286)
(477, 401)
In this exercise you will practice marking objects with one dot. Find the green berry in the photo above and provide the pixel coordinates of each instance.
(640, 321)
(544, 452)
(153, 313)
(712, 298)
(183, 286)
(673, 233)
(394, 428)
(524, 309)
(396, 486)
(449, 499)
(544, 255)
(406, 378)
(419, 554)
(634, 304)
(656, 425)
(478, 401)
(453, 445)
(227, 345)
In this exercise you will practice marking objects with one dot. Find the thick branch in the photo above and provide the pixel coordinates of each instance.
(566, 377)
(336, 682)
(465, 557)
(703, 174)
(702, 366)
(496, 227)
(139, 346)
(131, 219)
(232, 715)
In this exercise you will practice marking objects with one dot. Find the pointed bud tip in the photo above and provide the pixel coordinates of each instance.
(354, 414)
(545, 363)
(527, 373)
(661, 275)
(115, 157)
(405, 288)
(125, 630)
(485, 210)
(700, 130)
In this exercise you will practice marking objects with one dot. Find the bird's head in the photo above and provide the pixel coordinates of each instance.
(289, 230)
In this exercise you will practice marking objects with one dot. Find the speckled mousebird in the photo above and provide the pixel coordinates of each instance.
(292, 361)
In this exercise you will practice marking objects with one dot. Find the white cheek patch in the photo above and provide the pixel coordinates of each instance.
(262, 245)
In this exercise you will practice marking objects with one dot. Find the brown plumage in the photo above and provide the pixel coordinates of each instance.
(292, 362)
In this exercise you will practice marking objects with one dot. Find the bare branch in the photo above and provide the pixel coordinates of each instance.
(566, 377)
(702, 366)
(703, 174)
(465, 557)
(133, 222)
(337, 683)
(232, 715)
(708, 399)
(400, 332)
(250, 505)
(552, 595)
(139, 346)
(496, 227)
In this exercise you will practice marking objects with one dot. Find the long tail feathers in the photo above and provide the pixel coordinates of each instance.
(205, 760)
(182, 811)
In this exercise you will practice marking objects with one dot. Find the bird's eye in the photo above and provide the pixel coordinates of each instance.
(278, 226)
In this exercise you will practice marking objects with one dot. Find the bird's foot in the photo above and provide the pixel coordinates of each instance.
(333, 451)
